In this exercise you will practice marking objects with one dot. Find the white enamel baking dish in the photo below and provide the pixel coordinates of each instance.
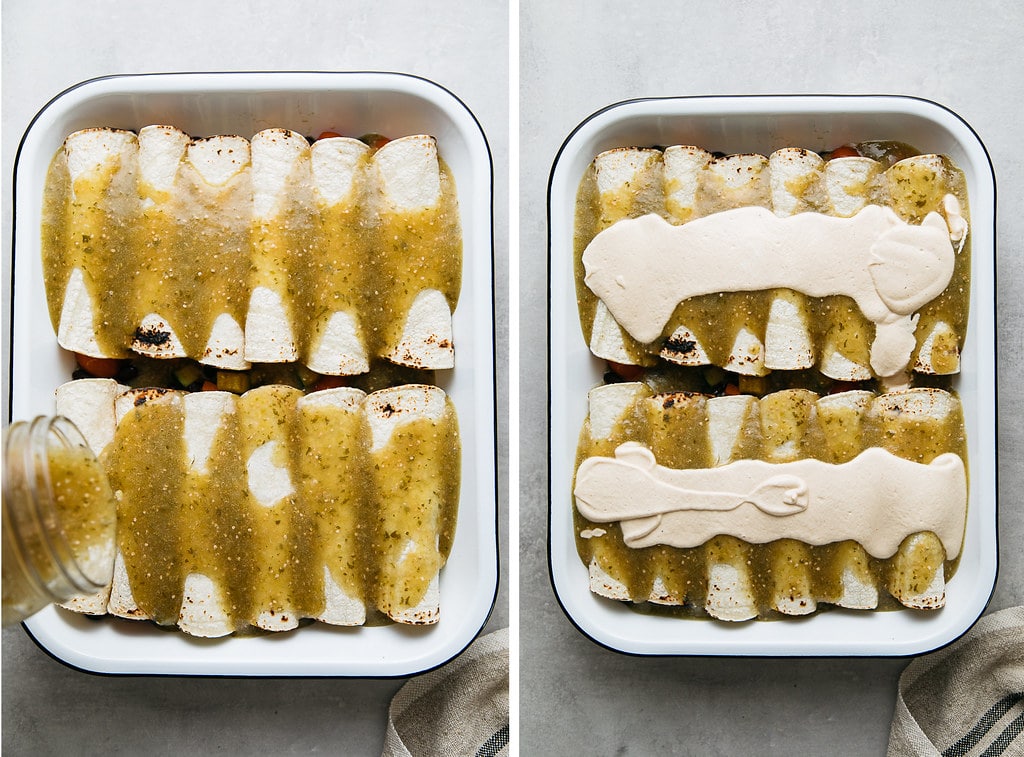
(763, 124)
(244, 103)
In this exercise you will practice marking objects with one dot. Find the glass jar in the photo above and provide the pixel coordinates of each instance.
(59, 517)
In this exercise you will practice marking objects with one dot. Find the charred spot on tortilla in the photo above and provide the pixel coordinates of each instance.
(142, 396)
(680, 346)
(152, 336)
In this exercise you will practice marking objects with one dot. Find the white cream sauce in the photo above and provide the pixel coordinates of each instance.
(876, 499)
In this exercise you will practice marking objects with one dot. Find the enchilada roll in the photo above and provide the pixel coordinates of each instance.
(289, 581)
(336, 343)
(795, 178)
(678, 437)
(216, 537)
(787, 419)
(731, 593)
(849, 578)
(622, 183)
(282, 228)
(611, 419)
(156, 290)
(413, 449)
(214, 199)
(332, 480)
(90, 211)
(851, 184)
(419, 259)
(148, 570)
(193, 247)
(918, 186)
(697, 332)
(89, 404)
(737, 181)
(683, 168)
(919, 425)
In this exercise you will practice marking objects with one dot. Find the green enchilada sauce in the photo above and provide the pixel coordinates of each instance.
(379, 523)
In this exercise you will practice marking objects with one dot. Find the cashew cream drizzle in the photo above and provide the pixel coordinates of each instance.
(876, 499)
(642, 268)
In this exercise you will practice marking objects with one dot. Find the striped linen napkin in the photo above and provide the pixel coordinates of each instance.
(459, 709)
(967, 699)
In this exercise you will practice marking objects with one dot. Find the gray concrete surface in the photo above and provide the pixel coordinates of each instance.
(578, 57)
(52, 44)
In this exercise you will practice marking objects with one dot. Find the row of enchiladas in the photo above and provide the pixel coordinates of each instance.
(230, 251)
(261, 510)
(880, 484)
(788, 258)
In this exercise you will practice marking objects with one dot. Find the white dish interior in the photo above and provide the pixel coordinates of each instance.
(763, 124)
(353, 104)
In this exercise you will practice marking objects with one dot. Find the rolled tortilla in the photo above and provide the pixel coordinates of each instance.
(331, 480)
(676, 434)
(610, 407)
(215, 191)
(920, 185)
(786, 418)
(271, 503)
(161, 151)
(795, 188)
(851, 183)
(419, 258)
(102, 202)
(913, 423)
(841, 418)
(736, 181)
(629, 183)
(409, 428)
(336, 342)
(683, 168)
(151, 540)
(730, 581)
(210, 572)
(282, 227)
